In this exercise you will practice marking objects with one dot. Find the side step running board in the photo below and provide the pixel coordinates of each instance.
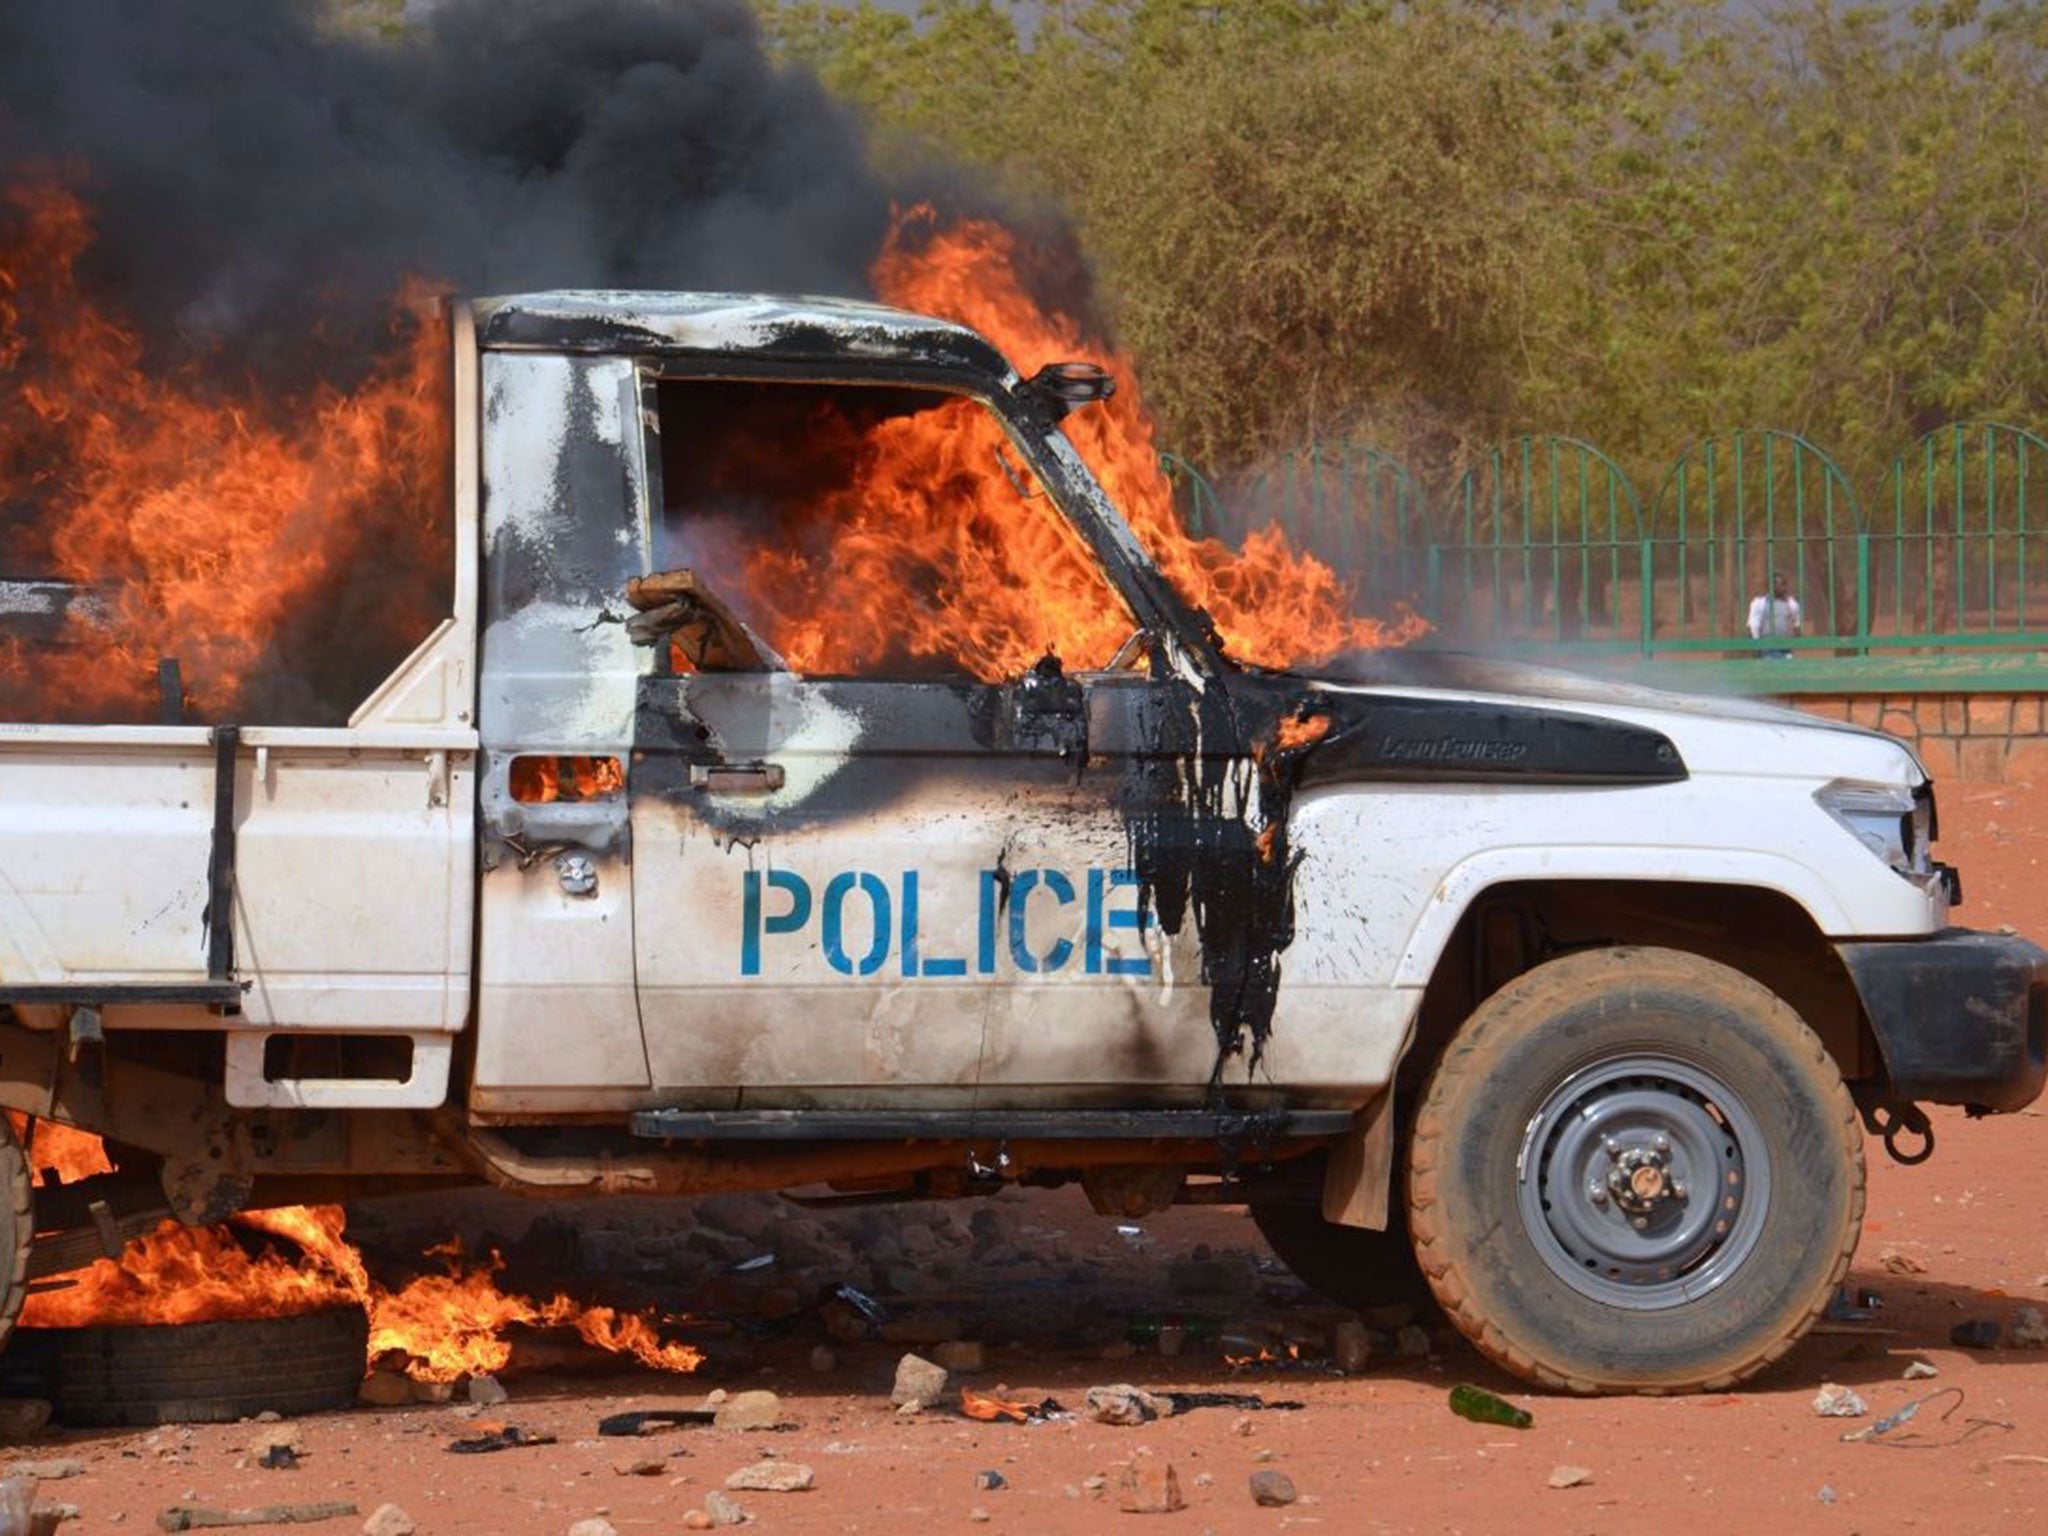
(988, 1124)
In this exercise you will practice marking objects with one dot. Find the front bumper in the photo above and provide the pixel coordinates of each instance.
(1960, 1017)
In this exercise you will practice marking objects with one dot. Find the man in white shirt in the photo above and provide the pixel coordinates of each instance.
(1775, 613)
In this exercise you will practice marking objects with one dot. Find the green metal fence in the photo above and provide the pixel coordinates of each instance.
(1543, 545)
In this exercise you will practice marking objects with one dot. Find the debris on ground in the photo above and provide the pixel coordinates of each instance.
(485, 1391)
(989, 1410)
(1846, 1306)
(1921, 1370)
(1876, 1433)
(1147, 1485)
(1835, 1401)
(593, 1528)
(1898, 1262)
(723, 1510)
(645, 1421)
(1977, 1333)
(388, 1520)
(750, 1411)
(1125, 1404)
(54, 1471)
(498, 1437)
(1570, 1477)
(385, 1389)
(1351, 1346)
(1272, 1489)
(2029, 1329)
(201, 1517)
(1483, 1407)
(772, 1477)
(919, 1382)
(989, 1482)
(279, 1458)
(639, 1466)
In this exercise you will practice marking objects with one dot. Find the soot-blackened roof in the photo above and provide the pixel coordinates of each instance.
(764, 327)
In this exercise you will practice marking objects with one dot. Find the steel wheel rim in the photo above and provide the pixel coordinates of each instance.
(1643, 1181)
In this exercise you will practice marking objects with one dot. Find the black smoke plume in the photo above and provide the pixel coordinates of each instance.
(262, 184)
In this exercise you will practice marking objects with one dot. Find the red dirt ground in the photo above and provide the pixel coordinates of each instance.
(1379, 1452)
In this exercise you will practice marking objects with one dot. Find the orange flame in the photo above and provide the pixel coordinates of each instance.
(203, 521)
(941, 546)
(448, 1325)
(542, 780)
(1272, 605)
(59, 1153)
(991, 1409)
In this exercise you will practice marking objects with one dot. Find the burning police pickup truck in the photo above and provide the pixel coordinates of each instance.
(690, 853)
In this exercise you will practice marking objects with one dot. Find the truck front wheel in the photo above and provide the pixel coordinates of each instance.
(1635, 1170)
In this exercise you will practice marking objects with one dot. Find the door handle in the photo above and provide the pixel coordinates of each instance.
(736, 778)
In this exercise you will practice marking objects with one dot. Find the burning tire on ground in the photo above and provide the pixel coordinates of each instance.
(198, 1373)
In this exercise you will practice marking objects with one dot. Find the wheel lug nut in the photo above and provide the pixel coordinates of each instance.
(1596, 1194)
(1639, 1222)
(1613, 1147)
(1661, 1142)
(1677, 1190)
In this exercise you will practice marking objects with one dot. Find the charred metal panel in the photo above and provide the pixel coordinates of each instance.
(564, 520)
(731, 328)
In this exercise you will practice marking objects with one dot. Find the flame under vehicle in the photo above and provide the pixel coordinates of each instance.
(1580, 995)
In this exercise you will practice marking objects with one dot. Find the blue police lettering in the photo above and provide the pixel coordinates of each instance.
(893, 919)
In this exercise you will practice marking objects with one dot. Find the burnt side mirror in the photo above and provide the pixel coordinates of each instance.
(1058, 388)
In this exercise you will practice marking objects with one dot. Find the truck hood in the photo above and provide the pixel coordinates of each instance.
(1713, 733)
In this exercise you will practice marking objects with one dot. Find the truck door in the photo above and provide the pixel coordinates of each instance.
(865, 870)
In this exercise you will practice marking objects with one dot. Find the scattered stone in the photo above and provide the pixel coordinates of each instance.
(1096, 1483)
(1921, 1370)
(1351, 1346)
(593, 1528)
(433, 1391)
(485, 1392)
(749, 1410)
(1242, 1425)
(772, 1477)
(388, 1520)
(977, 1516)
(823, 1360)
(959, 1355)
(639, 1466)
(1570, 1477)
(273, 1436)
(1899, 1262)
(46, 1471)
(918, 1381)
(724, 1510)
(1147, 1486)
(2029, 1329)
(989, 1482)
(1412, 1343)
(1125, 1404)
(696, 1520)
(21, 1417)
(1835, 1401)
(385, 1389)
(1977, 1333)
(1826, 1494)
(1272, 1489)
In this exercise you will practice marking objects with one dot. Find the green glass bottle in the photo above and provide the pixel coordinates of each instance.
(1482, 1407)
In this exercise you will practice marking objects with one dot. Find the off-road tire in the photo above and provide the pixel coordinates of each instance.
(1489, 1258)
(210, 1373)
(17, 1225)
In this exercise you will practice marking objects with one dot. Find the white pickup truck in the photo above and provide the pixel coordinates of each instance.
(1572, 991)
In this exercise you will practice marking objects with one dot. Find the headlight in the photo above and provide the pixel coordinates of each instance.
(1895, 824)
